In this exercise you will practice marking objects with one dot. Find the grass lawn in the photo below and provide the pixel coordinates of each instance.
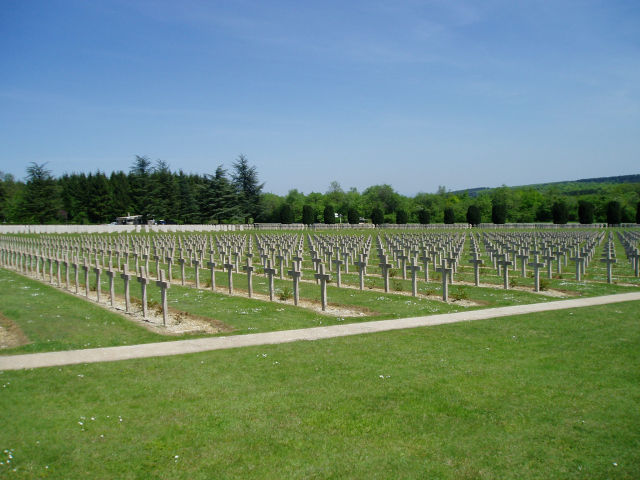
(549, 395)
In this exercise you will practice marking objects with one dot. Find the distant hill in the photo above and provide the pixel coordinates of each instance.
(584, 186)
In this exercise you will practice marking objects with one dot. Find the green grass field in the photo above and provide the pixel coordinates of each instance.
(551, 395)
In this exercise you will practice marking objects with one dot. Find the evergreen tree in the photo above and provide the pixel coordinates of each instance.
(140, 186)
(614, 212)
(473, 215)
(286, 214)
(308, 215)
(560, 212)
(329, 215)
(188, 212)
(99, 205)
(40, 202)
(120, 198)
(11, 197)
(424, 217)
(75, 191)
(585, 212)
(499, 213)
(377, 216)
(449, 216)
(220, 199)
(401, 216)
(164, 193)
(245, 181)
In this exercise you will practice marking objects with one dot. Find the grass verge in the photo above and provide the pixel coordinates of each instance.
(547, 395)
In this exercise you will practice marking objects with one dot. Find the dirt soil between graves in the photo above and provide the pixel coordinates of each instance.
(10, 334)
(315, 305)
(178, 322)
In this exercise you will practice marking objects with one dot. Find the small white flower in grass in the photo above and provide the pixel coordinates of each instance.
(615, 464)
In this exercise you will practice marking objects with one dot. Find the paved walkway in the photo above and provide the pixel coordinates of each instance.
(110, 354)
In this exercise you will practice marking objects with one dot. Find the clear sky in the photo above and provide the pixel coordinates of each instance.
(416, 94)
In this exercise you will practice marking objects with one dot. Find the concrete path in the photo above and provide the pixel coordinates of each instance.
(110, 354)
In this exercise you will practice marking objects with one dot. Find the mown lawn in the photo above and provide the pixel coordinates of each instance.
(550, 395)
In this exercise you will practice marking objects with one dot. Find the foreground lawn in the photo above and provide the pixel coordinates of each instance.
(552, 395)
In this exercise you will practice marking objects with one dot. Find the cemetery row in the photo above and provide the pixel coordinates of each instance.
(194, 259)
(208, 228)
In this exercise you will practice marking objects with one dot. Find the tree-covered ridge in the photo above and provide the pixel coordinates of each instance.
(153, 190)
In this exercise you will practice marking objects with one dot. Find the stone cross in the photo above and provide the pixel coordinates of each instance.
(362, 266)
(476, 262)
(414, 268)
(323, 278)
(156, 258)
(51, 270)
(182, 261)
(579, 262)
(169, 260)
(196, 265)
(337, 262)
(126, 276)
(110, 274)
(75, 266)
(504, 263)
(58, 267)
(634, 256)
(425, 259)
(523, 257)
(249, 269)
(66, 271)
(403, 262)
(445, 271)
(280, 258)
(385, 266)
(558, 254)
(164, 285)
(608, 261)
(229, 268)
(536, 265)
(270, 272)
(295, 274)
(549, 263)
(212, 265)
(85, 269)
(143, 280)
(98, 271)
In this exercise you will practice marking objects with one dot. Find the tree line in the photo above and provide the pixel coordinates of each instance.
(153, 190)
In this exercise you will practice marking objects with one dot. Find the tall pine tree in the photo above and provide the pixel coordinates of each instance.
(245, 181)
(40, 202)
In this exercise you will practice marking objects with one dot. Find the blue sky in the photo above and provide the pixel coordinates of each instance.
(416, 94)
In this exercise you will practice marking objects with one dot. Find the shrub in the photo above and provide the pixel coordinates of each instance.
(329, 215)
(285, 294)
(449, 216)
(473, 215)
(544, 284)
(499, 213)
(401, 216)
(308, 215)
